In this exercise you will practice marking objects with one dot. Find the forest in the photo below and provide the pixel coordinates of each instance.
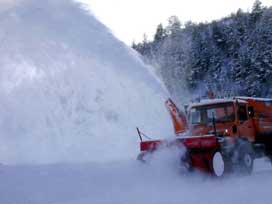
(230, 56)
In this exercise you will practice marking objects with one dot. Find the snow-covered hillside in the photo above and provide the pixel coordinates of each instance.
(70, 91)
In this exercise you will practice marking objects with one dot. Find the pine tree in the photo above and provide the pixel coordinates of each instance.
(257, 11)
(174, 26)
(160, 33)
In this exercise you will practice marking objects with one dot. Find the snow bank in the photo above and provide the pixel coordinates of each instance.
(69, 90)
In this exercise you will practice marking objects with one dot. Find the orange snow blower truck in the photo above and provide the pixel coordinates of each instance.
(220, 135)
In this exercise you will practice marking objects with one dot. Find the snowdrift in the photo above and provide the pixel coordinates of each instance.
(69, 90)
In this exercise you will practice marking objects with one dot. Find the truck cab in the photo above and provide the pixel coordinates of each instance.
(226, 118)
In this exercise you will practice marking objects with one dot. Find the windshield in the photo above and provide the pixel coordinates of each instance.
(205, 114)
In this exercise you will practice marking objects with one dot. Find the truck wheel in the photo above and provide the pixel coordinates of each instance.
(270, 159)
(218, 164)
(186, 162)
(246, 163)
(245, 158)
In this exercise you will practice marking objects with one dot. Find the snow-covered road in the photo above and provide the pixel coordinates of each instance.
(128, 183)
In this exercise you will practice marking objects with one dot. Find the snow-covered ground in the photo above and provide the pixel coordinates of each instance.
(129, 183)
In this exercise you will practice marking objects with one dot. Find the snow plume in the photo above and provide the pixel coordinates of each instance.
(70, 91)
(166, 160)
(7, 4)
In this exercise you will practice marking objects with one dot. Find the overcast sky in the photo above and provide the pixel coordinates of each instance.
(130, 19)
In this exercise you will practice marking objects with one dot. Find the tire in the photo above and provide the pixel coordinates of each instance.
(246, 165)
(269, 158)
(186, 162)
(245, 157)
(218, 164)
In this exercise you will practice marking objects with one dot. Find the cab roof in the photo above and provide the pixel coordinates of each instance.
(205, 102)
(254, 98)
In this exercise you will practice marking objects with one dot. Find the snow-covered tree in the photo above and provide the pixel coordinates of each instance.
(233, 56)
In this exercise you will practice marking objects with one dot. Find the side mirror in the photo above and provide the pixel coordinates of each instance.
(250, 111)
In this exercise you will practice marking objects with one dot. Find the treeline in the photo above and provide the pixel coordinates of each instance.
(232, 56)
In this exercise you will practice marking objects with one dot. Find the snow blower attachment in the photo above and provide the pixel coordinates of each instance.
(178, 117)
(220, 135)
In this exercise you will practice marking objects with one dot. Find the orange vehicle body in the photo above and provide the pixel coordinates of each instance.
(239, 129)
(255, 125)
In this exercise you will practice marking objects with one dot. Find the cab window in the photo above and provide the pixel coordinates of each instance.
(242, 113)
(205, 114)
(250, 110)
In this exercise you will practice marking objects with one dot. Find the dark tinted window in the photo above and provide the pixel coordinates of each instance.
(251, 111)
(242, 113)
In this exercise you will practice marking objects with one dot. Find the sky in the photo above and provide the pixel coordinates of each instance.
(130, 19)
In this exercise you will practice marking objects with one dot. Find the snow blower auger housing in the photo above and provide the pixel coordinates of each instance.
(220, 135)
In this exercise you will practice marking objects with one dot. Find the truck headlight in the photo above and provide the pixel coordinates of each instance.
(226, 132)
